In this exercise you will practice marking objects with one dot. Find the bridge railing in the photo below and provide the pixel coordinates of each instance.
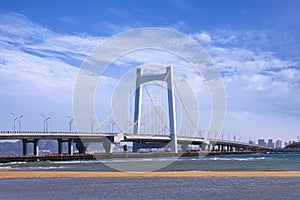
(50, 133)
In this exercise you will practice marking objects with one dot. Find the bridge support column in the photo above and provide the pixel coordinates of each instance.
(108, 146)
(35, 147)
(134, 147)
(25, 147)
(59, 146)
(81, 147)
(171, 103)
(214, 147)
(206, 146)
(70, 147)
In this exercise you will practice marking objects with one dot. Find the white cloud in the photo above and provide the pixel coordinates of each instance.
(39, 59)
(69, 20)
(38, 68)
(261, 88)
(203, 38)
(37, 62)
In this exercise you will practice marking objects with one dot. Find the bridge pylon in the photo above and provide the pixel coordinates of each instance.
(143, 79)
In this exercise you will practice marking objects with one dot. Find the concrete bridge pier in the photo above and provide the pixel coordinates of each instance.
(108, 144)
(206, 146)
(60, 146)
(35, 146)
(81, 146)
(134, 147)
(25, 147)
(70, 147)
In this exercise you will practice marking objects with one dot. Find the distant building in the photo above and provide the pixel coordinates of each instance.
(295, 146)
(251, 142)
(261, 142)
(285, 144)
(270, 143)
(278, 144)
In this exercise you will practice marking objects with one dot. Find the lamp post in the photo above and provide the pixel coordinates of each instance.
(19, 122)
(15, 119)
(45, 122)
(112, 126)
(70, 123)
(92, 125)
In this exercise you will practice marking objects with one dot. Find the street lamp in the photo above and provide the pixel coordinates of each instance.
(70, 123)
(112, 126)
(92, 125)
(45, 122)
(15, 119)
(19, 122)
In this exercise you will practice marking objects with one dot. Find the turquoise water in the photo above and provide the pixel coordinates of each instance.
(258, 162)
(159, 188)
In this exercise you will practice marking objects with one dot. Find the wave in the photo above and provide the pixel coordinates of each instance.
(140, 160)
(228, 159)
(44, 167)
(12, 163)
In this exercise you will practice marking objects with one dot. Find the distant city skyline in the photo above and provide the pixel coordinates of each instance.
(254, 46)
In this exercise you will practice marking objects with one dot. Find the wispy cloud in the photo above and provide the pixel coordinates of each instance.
(117, 12)
(34, 54)
(69, 20)
(38, 68)
(36, 61)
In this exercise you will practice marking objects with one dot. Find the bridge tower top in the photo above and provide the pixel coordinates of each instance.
(166, 77)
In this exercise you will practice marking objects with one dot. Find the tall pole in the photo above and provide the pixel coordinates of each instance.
(92, 125)
(70, 123)
(112, 127)
(45, 120)
(19, 122)
(14, 115)
(15, 119)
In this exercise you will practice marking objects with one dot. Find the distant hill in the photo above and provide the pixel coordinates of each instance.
(9, 148)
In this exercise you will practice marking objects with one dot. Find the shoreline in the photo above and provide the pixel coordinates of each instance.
(89, 174)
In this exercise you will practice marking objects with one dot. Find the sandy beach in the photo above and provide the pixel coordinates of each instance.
(77, 174)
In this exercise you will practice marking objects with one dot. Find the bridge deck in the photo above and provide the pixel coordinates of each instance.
(97, 136)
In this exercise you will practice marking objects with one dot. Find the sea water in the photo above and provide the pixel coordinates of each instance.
(150, 188)
(159, 188)
(255, 162)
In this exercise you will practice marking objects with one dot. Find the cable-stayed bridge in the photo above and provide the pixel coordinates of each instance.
(155, 139)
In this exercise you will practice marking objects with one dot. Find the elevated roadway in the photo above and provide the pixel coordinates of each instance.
(82, 139)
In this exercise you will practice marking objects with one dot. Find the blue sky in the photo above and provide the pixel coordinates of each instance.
(254, 44)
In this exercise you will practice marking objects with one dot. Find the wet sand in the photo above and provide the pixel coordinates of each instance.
(77, 174)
